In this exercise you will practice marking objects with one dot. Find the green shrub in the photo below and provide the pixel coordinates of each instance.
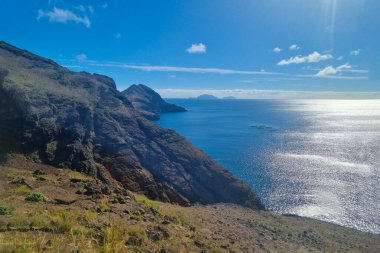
(35, 197)
(5, 210)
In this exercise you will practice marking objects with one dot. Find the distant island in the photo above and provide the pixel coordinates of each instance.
(229, 97)
(206, 97)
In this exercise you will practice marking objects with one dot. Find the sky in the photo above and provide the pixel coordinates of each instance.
(244, 48)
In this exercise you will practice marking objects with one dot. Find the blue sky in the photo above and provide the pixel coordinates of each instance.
(182, 48)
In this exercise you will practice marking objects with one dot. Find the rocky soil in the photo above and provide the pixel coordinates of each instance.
(80, 213)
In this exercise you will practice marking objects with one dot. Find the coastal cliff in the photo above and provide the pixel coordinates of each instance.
(148, 102)
(81, 121)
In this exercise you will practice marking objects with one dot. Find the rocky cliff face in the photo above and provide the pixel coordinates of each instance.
(148, 102)
(79, 120)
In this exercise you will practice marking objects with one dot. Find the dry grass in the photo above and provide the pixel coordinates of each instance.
(99, 224)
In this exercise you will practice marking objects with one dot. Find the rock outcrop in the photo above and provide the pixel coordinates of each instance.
(81, 121)
(148, 102)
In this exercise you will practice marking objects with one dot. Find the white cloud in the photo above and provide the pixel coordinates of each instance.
(91, 9)
(340, 58)
(105, 5)
(311, 58)
(81, 8)
(294, 47)
(265, 94)
(355, 52)
(197, 49)
(63, 16)
(277, 50)
(84, 9)
(81, 57)
(336, 72)
(183, 69)
(269, 79)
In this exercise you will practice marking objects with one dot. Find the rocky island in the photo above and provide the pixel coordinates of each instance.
(148, 102)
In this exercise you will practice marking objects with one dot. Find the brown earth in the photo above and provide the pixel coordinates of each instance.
(83, 214)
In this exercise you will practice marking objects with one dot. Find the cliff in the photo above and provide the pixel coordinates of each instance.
(81, 121)
(148, 102)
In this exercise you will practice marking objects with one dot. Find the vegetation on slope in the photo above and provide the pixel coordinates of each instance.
(81, 214)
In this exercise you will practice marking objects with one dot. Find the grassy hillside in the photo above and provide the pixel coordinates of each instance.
(45, 209)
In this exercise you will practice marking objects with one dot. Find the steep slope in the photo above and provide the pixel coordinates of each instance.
(148, 102)
(80, 121)
(72, 219)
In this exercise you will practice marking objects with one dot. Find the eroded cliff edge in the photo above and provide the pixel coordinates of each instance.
(79, 120)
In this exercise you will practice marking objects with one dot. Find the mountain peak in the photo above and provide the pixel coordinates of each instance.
(148, 102)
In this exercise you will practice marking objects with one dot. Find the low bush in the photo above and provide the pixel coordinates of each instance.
(5, 210)
(35, 197)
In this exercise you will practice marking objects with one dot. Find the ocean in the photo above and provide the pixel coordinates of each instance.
(313, 158)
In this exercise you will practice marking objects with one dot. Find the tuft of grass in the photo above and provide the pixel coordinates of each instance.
(79, 176)
(62, 221)
(113, 238)
(21, 189)
(5, 210)
(183, 221)
(40, 178)
(218, 250)
(148, 202)
(35, 197)
(103, 205)
(20, 222)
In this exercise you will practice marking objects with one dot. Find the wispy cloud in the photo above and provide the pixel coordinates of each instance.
(294, 47)
(277, 49)
(311, 58)
(197, 49)
(81, 8)
(63, 16)
(330, 70)
(91, 9)
(266, 94)
(118, 35)
(183, 69)
(355, 52)
(81, 57)
(269, 79)
(336, 72)
(104, 5)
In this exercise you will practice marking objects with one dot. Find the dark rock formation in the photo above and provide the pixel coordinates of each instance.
(148, 102)
(80, 121)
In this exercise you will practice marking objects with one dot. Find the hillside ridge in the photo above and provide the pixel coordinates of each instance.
(81, 121)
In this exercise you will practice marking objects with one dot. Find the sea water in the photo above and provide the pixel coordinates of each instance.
(313, 158)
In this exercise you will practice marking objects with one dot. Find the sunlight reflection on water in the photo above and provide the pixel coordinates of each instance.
(336, 162)
(314, 158)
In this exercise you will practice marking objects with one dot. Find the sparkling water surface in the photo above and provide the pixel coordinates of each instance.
(313, 158)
